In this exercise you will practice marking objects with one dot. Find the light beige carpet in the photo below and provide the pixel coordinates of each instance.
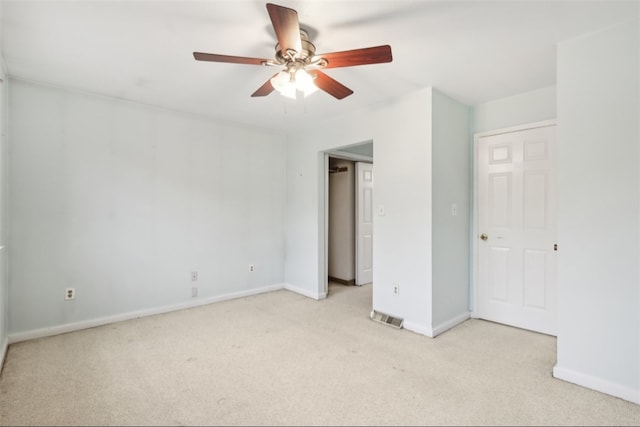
(283, 359)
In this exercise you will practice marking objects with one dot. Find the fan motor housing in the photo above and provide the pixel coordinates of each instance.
(308, 50)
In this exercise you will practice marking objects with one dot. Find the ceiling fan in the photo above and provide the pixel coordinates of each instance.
(301, 67)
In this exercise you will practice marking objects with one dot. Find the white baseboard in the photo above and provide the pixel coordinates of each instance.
(92, 323)
(455, 321)
(3, 351)
(597, 384)
(314, 295)
(417, 328)
(432, 331)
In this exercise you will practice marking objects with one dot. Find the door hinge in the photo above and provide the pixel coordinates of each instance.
(555, 246)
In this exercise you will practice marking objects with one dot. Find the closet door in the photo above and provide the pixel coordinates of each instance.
(364, 223)
(517, 229)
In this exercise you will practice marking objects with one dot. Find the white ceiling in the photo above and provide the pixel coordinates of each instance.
(474, 51)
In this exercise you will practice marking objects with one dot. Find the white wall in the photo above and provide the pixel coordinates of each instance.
(598, 211)
(4, 282)
(529, 107)
(402, 244)
(305, 198)
(122, 201)
(451, 185)
(342, 211)
(402, 251)
(4, 287)
(400, 133)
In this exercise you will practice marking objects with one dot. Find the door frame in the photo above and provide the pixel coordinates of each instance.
(475, 230)
(323, 265)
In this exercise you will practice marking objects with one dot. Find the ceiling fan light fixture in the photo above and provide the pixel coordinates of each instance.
(288, 82)
(282, 82)
(304, 82)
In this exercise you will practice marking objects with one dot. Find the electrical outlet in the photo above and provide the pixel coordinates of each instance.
(396, 289)
(251, 268)
(194, 276)
(70, 293)
(194, 292)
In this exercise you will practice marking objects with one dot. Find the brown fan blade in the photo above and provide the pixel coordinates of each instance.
(285, 24)
(199, 56)
(265, 89)
(349, 58)
(329, 85)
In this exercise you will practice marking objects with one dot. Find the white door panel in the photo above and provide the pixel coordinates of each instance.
(364, 223)
(516, 213)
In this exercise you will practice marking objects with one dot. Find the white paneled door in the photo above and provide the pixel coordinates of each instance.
(516, 229)
(364, 223)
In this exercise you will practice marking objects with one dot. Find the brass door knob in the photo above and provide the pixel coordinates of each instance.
(483, 236)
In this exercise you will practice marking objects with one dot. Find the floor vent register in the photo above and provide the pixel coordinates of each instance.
(386, 319)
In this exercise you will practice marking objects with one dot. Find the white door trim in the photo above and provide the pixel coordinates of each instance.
(323, 252)
(475, 227)
(324, 279)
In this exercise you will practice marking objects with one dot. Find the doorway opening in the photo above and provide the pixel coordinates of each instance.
(341, 252)
(348, 216)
